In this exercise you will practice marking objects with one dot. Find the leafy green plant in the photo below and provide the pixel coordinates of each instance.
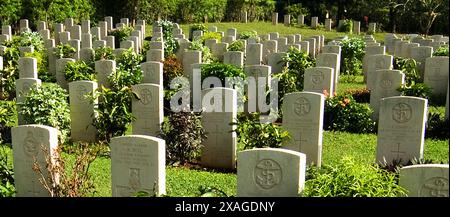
(196, 27)
(437, 127)
(121, 34)
(351, 179)
(113, 111)
(441, 51)
(297, 62)
(248, 34)
(104, 53)
(237, 45)
(351, 56)
(347, 26)
(222, 71)
(7, 109)
(409, 67)
(211, 192)
(343, 113)
(183, 132)
(170, 44)
(7, 188)
(207, 56)
(254, 134)
(64, 51)
(211, 35)
(417, 90)
(79, 70)
(47, 105)
(42, 65)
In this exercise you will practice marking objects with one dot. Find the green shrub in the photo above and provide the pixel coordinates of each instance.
(128, 71)
(347, 26)
(295, 10)
(184, 134)
(417, 90)
(343, 113)
(47, 105)
(437, 127)
(113, 111)
(211, 35)
(104, 53)
(254, 134)
(79, 70)
(351, 179)
(7, 115)
(207, 56)
(64, 51)
(7, 188)
(248, 34)
(441, 51)
(222, 71)
(360, 95)
(351, 56)
(409, 67)
(298, 61)
(237, 45)
(9, 73)
(120, 35)
(170, 44)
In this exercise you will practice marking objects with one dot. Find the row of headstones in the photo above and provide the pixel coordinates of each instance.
(138, 162)
(383, 81)
(315, 23)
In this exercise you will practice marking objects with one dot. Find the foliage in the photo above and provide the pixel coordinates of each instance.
(254, 134)
(128, 71)
(211, 35)
(170, 44)
(10, 11)
(64, 51)
(351, 56)
(409, 67)
(194, 11)
(417, 90)
(172, 68)
(437, 127)
(61, 183)
(7, 188)
(248, 34)
(361, 95)
(287, 83)
(121, 34)
(7, 109)
(47, 105)
(42, 65)
(297, 62)
(237, 45)
(27, 39)
(10, 73)
(296, 9)
(79, 70)
(104, 53)
(113, 110)
(183, 133)
(343, 113)
(222, 71)
(441, 51)
(347, 26)
(207, 56)
(351, 179)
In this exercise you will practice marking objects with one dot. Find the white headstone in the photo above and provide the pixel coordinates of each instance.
(60, 71)
(426, 180)
(148, 109)
(220, 110)
(269, 172)
(437, 74)
(374, 63)
(28, 67)
(303, 119)
(254, 54)
(401, 129)
(82, 111)
(386, 84)
(104, 68)
(319, 79)
(235, 58)
(138, 164)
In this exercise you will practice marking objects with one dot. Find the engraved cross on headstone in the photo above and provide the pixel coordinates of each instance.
(398, 152)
